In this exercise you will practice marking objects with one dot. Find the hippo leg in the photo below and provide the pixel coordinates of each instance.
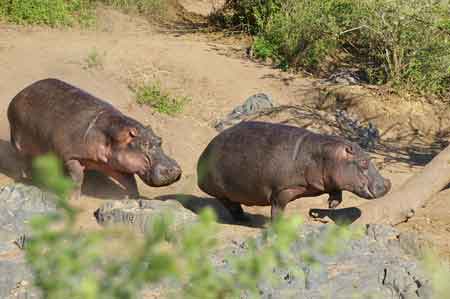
(26, 166)
(235, 210)
(281, 199)
(335, 199)
(128, 182)
(76, 172)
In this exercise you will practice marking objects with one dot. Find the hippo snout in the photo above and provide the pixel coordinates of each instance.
(380, 188)
(162, 175)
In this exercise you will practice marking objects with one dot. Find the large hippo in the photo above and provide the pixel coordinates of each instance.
(265, 164)
(87, 134)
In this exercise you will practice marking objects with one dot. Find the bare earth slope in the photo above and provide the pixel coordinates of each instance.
(129, 50)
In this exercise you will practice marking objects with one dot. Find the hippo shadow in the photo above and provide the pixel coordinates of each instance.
(99, 185)
(197, 204)
(343, 216)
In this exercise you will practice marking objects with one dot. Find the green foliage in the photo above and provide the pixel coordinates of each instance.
(47, 12)
(145, 7)
(440, 275)
(94, 59)
(403, 42)
(72, 264)
(152, 95)
(69, 12)
(406, 43)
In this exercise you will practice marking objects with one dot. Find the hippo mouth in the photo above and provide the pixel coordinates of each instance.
(369, 194)
(365, 192)
(161, 176)
(372, 191)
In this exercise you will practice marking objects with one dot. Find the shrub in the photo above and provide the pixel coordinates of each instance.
(47, 12)
(403, 42)
(406, 43)
(145, 7)
(152, 95)
(94, 59)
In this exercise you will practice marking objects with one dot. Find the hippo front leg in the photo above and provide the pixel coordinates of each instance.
(335, 199)
(281, 199)
(76, 172)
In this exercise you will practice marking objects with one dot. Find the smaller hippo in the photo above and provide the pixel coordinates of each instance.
(265, 164)
(87, 134)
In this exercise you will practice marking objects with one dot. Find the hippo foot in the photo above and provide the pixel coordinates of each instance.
(335, 199)
(332, 204)
(235, 210)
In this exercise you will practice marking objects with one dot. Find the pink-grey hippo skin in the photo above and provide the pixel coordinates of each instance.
(87, 134)
(265, 164)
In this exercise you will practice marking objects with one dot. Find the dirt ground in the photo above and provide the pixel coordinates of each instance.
(217, 76)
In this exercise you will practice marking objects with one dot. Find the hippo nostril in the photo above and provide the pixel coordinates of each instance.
(387, 184)
(175, 173)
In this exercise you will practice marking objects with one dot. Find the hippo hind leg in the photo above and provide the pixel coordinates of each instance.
(235, 210)
(280, 199)
(24, 160)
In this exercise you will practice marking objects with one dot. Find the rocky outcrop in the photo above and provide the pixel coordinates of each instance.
(18, 204)
(374, 266)
(138, 214)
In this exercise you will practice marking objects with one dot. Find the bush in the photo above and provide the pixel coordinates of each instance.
(47, 12)
(152, 95)
(145, 7)
(68, 12)
(94, 59)
(403, 42)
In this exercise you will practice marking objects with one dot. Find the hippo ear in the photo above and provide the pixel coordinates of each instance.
(133, 132)
(126, 135)
(345, 152)
(349, 150)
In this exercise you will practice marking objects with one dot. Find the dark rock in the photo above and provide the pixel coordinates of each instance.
(138, 214)
(252, 105)
(366, 136)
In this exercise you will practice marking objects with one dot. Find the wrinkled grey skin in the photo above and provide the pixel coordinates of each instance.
(87, 134)
(265, 164)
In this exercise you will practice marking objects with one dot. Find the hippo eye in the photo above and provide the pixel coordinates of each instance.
(158, 142)
(364, 164)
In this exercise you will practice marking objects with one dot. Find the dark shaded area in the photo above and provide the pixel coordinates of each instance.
(343, 216)
(197, 204)
(98, 185)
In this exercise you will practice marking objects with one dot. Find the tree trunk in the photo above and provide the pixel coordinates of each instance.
(399, 205)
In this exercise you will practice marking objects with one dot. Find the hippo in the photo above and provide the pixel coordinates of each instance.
(87, 133)
(266, 164)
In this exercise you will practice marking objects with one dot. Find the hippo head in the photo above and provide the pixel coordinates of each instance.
(349, 168)
(139, 151)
